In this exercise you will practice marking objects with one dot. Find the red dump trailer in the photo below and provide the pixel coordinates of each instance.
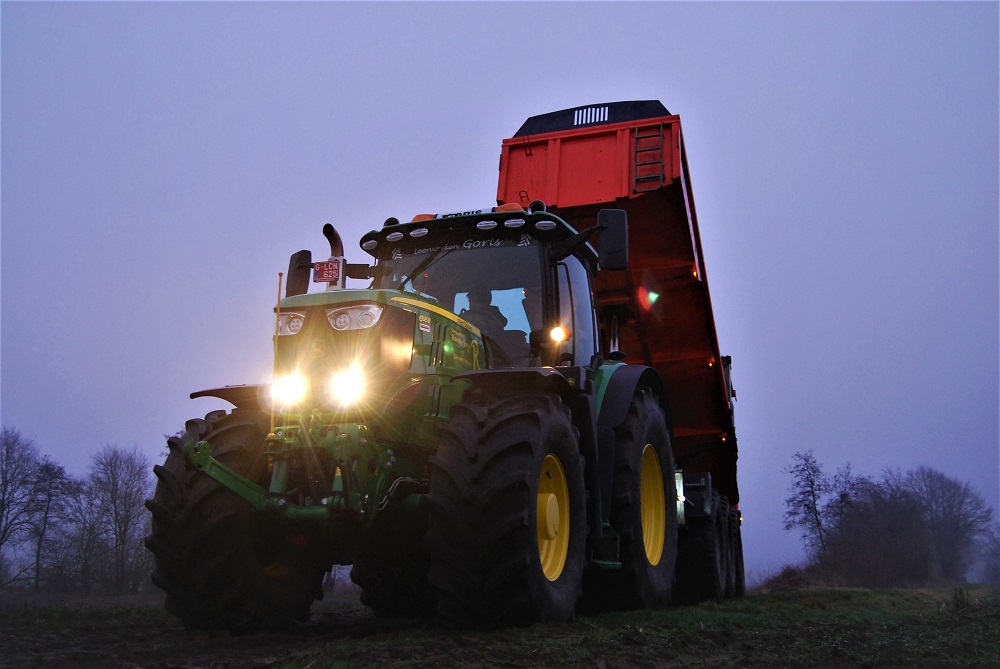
(631, 156)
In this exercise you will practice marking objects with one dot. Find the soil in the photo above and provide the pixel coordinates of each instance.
(817, 628)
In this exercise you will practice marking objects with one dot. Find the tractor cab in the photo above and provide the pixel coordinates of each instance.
(520, 279)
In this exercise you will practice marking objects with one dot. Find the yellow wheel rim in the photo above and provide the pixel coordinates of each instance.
(552, 517)
(651, 505)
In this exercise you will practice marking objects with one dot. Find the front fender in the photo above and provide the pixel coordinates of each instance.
(253, 396)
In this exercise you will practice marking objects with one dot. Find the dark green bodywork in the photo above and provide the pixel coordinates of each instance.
(355, 455)
(327, 463)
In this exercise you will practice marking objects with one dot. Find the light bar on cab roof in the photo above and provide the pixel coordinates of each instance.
(393, 235)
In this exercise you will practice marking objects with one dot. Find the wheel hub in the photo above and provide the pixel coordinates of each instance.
(548, 515)
(552, 517)
(651, 505)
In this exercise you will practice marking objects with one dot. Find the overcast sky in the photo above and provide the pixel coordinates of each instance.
(161, 161)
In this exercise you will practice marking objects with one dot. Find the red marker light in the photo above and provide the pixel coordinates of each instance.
(647, 298)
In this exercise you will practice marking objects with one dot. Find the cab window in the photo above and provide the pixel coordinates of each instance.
(576, 312)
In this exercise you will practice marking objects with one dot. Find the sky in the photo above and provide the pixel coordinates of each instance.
(161, 161)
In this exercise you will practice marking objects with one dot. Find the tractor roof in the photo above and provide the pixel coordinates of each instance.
(470, 229)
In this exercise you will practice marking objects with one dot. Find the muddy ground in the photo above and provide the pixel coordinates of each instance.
(814, 628)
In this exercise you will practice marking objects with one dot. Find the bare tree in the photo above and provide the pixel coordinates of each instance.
(18, 462)
(50, 488)
(845, 492)
(877, 539)
(991, 554)
(804, 508)
(904, 529)
(956, 516)
(122, 482)
(83, 534)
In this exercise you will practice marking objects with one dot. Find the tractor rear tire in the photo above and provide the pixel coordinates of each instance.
(643, 513)
(507, 519)
(219, 564)
(703, 556)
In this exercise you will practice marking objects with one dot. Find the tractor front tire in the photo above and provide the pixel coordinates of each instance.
(220, 565)
(507, 520)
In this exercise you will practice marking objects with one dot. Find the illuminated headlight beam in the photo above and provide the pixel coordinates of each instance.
(347, 386)
(289, 390)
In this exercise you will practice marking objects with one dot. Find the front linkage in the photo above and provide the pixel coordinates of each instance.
(315, 473)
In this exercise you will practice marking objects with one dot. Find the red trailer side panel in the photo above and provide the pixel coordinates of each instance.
(662, 302)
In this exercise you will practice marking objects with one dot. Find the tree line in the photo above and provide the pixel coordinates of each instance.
(912, 528)
(61, 533)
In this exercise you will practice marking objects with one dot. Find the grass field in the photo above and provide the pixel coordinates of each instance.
(813, 627)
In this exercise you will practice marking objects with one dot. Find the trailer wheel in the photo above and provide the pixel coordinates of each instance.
(507, 521)
(219, 565)
(724, 527)
(731, 529)
(736, 535)
(702, 557)
(643, 513)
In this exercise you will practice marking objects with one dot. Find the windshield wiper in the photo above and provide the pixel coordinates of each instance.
(422, 266)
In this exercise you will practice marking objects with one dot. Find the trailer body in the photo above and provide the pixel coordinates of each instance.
(631, 156)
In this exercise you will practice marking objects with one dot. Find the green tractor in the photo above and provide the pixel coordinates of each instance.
(451, 430)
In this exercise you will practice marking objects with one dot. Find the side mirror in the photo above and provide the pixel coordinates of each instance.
(542, 346)
(613, 240)
(537, 339)
(299, 268)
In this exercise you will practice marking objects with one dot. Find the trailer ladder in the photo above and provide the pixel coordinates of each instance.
(648, 161)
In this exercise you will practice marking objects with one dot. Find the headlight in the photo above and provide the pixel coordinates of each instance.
(289, 390)
(354, 318)
(290, 323)
(348, 386)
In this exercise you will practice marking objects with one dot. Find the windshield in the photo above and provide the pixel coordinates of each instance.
(493, 284)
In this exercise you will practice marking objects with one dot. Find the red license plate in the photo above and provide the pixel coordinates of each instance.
(326, 271)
